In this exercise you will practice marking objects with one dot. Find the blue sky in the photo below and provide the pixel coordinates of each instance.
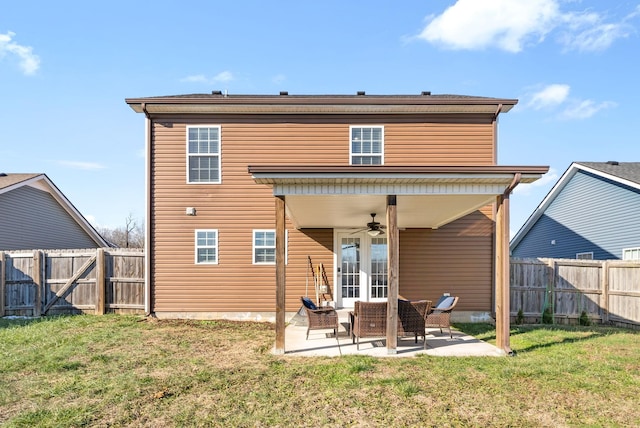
(66, 68)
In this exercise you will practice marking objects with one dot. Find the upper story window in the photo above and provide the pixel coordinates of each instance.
(367, 145)
(585, 256)
(631, 254)
(207, 246)
(203, 154)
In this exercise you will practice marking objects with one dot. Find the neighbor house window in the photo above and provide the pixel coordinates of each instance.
(367, 145)
(631, 254)
(584, 256)
(207, 246)
(203, 154)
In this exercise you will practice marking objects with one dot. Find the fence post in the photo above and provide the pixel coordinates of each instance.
(37, 280)
(3, 287)
(100, 281)
(604, 299)
(551, 289)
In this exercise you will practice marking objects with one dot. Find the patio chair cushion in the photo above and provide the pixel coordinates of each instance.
(309, 304)
(445, 303)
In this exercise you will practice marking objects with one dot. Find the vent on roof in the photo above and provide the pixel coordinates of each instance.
(2, 174)
(284, 93)
(613, 162)
(426, 92)
(216, 92)
(360, 93)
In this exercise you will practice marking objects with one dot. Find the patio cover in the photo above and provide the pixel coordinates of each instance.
(416, 197)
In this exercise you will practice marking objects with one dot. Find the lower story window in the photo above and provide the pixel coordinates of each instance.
(207, 246)
(264, 246)
(585, 256)
(631, 254)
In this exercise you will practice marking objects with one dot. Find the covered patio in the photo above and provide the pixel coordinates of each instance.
(323, 343)
(411, 197)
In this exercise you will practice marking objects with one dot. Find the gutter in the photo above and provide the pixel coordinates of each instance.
(147, 233)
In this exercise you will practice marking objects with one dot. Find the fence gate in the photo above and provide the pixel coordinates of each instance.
(35, 283)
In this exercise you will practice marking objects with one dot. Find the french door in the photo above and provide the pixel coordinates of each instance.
(361, 268)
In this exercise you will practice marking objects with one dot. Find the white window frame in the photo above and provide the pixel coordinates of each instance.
(580, 256)
(215, 247)
(189, 155)
(634, 251)
(352, 154)
(255, 247)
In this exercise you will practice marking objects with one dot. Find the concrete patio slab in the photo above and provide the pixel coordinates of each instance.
(323, 343)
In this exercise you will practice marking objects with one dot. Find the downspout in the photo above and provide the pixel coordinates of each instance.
(517, 178)
(495, 162)
(147, 221)
(495, 134)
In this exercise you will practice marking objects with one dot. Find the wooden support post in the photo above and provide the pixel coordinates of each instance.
(100, 281)
(280, 274)
(393, 256)
(3, 274)
(502, 273)
(37, 280)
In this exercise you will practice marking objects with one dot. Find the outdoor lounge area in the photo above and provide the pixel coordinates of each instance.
(324, 343)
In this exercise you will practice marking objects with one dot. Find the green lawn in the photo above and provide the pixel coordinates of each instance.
(130, 371)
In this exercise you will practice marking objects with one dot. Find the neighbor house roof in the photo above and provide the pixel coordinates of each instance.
(9, 182)
(624, 173)
(219, 102)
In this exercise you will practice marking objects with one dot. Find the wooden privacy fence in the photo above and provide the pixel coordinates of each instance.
(36, 283)
(607, 291)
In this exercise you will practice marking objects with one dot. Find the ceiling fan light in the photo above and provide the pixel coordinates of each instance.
(374, 232)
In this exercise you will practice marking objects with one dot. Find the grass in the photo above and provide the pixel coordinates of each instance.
(128, 371)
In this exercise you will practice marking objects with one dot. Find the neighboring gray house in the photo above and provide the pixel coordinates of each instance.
(593, 212)
(34, 214)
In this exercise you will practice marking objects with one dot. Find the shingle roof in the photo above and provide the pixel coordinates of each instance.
(625, 170)
(7, 180)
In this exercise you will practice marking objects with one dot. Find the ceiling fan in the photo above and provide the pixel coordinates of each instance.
(373, 228)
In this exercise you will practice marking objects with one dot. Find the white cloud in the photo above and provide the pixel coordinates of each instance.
(556, 98)
(222, 77)
(549, 96)
(584, 109)
(589, 32)
(82, 165)
(511, 25)
(479, 24)
(28, 61)
(545, 181)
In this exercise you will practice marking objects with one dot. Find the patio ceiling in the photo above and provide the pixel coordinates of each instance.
(427, 197)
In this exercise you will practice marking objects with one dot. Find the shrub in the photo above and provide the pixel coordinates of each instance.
(584, 318)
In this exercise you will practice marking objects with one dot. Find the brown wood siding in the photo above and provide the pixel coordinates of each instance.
(238, 206)
(456, 259)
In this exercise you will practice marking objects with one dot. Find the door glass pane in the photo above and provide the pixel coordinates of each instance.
(378, 267)
(350, 251)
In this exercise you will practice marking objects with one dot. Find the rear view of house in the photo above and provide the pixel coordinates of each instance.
(590, 213)
(394, 196)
